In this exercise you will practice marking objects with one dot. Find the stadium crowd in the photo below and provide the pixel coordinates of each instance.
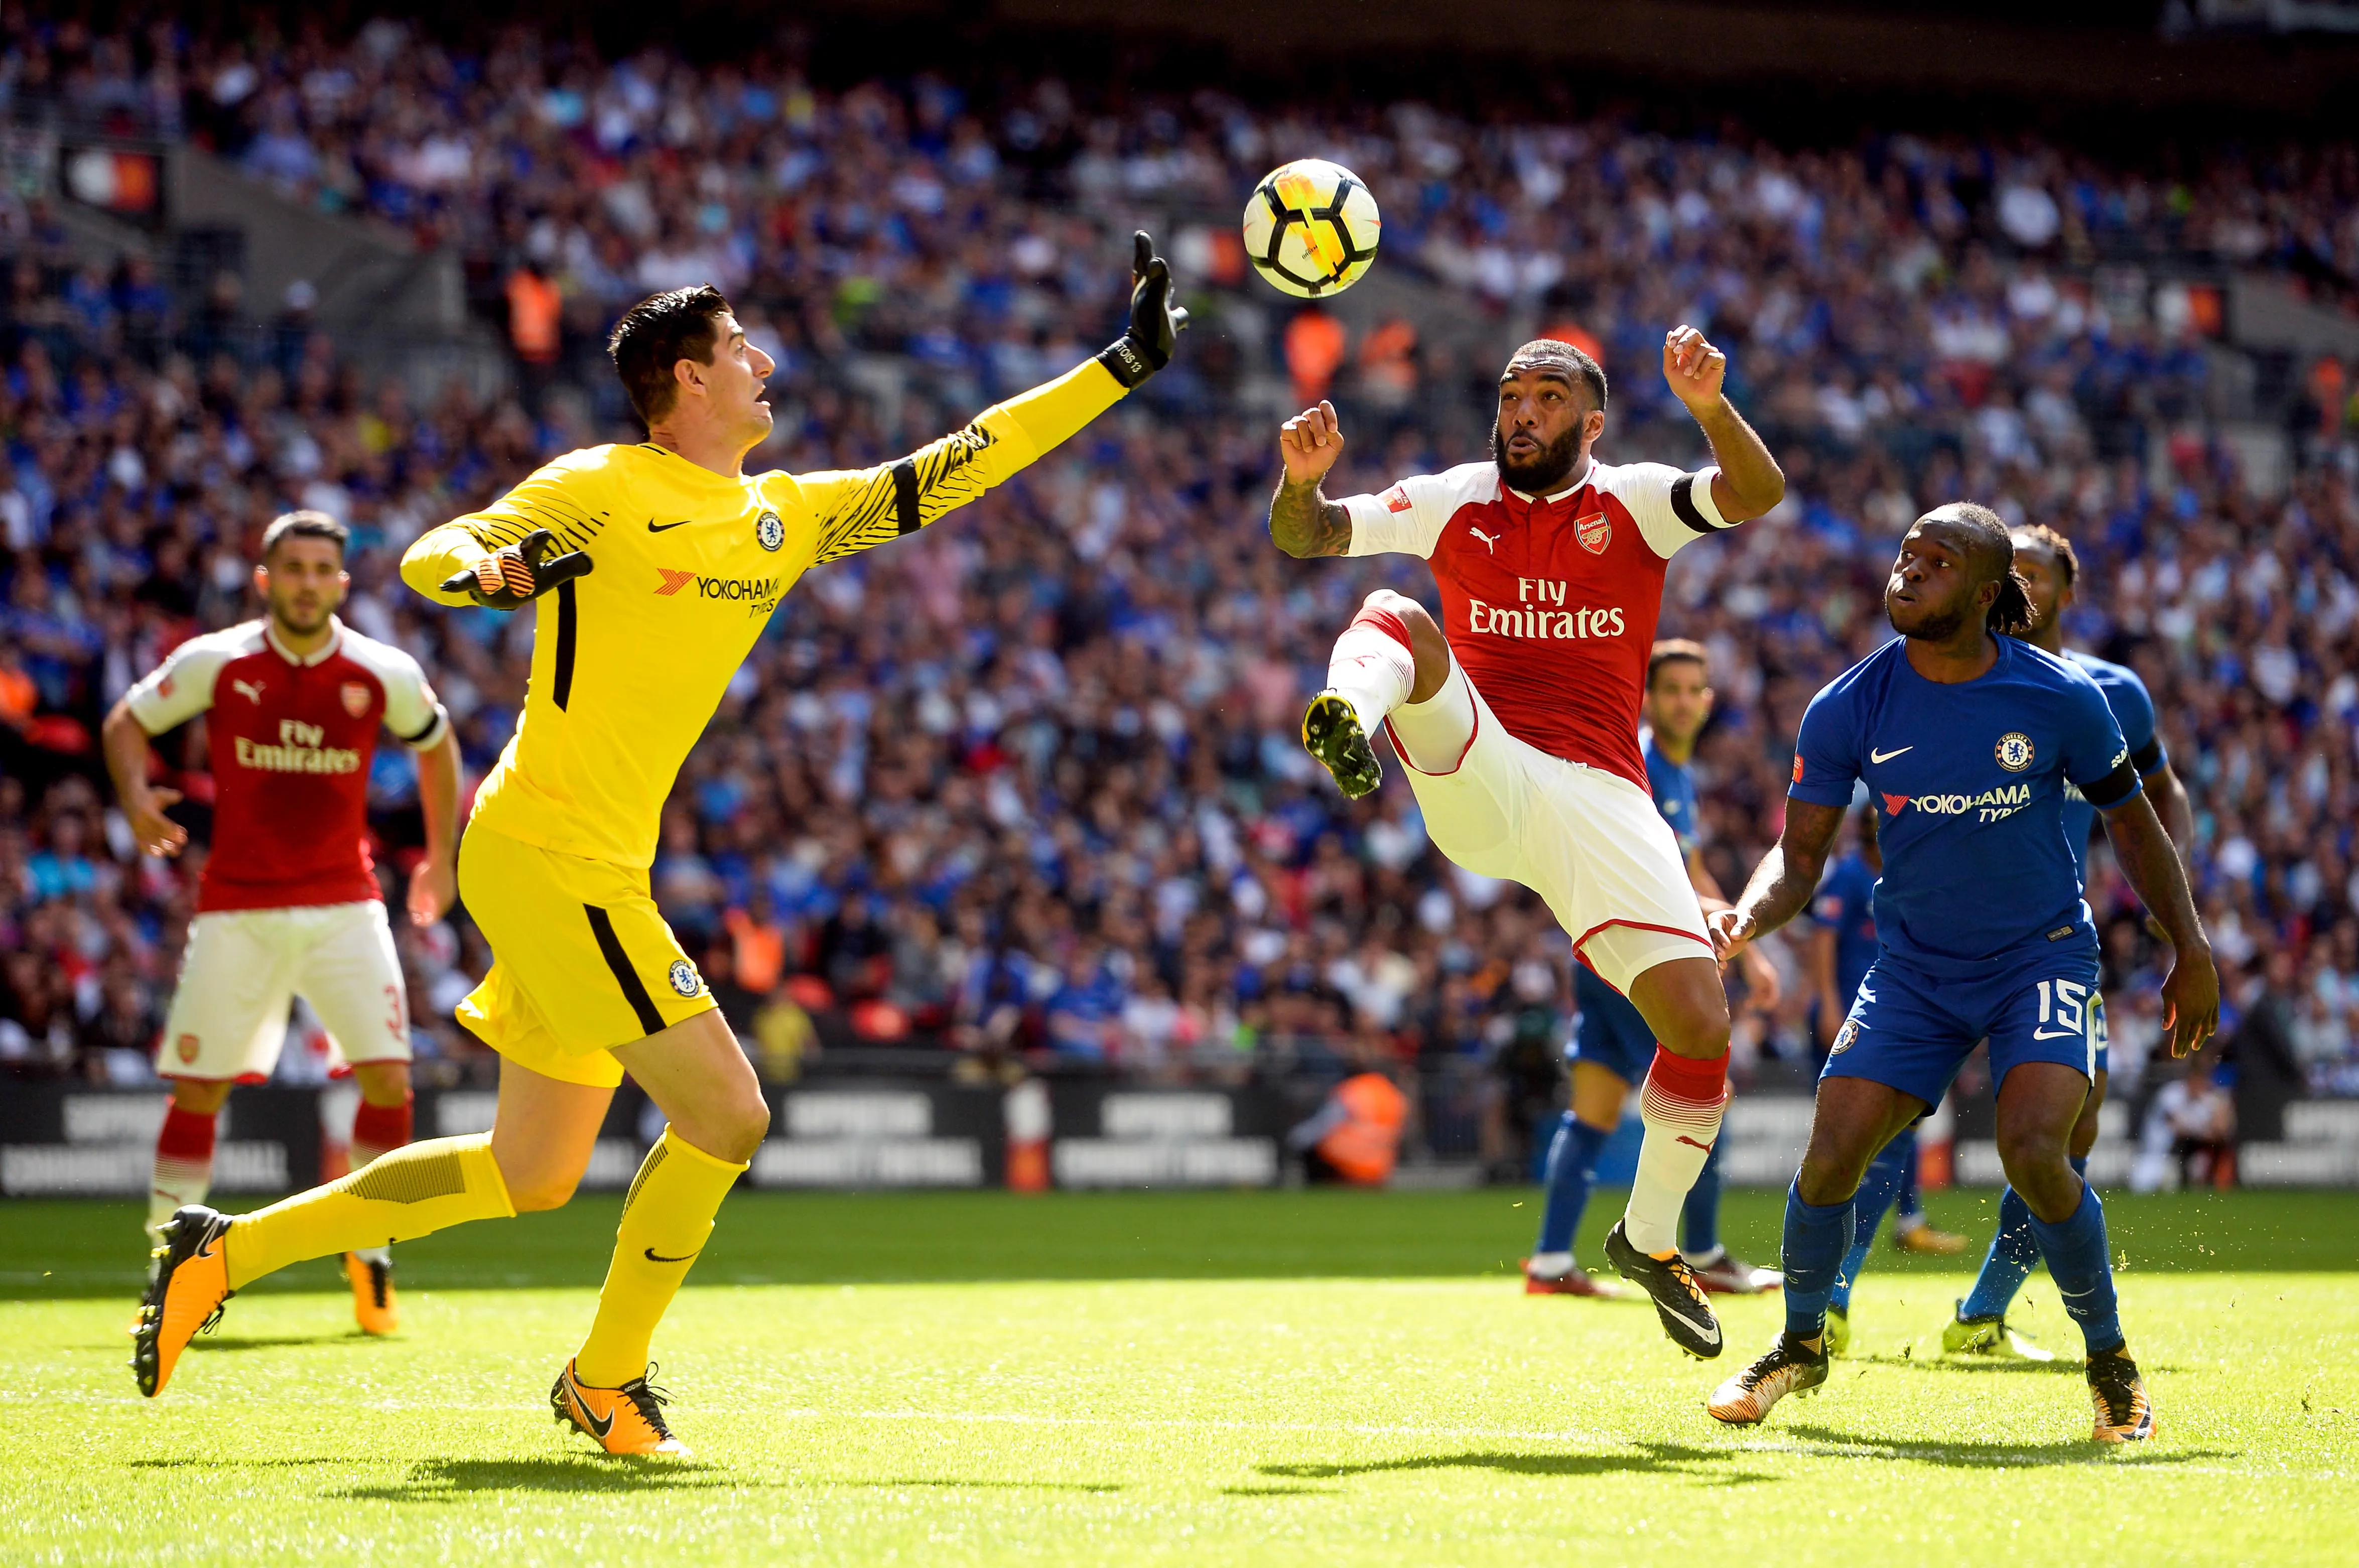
(1030, 782)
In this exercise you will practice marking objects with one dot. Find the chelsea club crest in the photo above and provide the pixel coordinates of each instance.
(2015, 751)
(768, 531)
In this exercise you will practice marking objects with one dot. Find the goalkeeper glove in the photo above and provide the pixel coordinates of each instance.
(1145, 347)
(507, 578)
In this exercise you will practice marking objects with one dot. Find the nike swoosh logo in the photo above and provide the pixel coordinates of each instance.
(656, 528)
(1710, 1332)
(1874, 755)
(601, 1427)
(654, 1256)
(2058, 1034)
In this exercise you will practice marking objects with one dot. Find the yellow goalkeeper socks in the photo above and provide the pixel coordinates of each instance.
(666, 1219)
(411, 1192)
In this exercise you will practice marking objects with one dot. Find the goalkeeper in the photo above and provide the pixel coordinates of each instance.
(654, 568)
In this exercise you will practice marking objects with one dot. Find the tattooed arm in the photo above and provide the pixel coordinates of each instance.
(1302, 521)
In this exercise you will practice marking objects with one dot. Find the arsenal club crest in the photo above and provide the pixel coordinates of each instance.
(1594, 531)
(187, 1046)
(356, 697)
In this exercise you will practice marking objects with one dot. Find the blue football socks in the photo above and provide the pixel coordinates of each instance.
(1572, 1158)
(1699, 1214)
(1876, 1193)
(2077, 1261)
(1910, 1205)
(2013, 1251)
(1817, 1236)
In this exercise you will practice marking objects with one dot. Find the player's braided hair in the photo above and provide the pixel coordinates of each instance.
(1992, 549)
(2040, 535)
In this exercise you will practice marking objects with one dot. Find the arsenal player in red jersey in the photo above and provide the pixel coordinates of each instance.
(1517, 714)
(288, 904)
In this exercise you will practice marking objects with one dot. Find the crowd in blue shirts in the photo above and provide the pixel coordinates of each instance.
(1030, 783)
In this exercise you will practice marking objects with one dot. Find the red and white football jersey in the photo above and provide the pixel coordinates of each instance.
(291, 741)
(1549, 602)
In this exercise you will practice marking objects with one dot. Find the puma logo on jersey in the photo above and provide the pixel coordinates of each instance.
(251, 689)
(1489, 542)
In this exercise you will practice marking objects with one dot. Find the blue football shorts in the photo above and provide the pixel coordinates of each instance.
(1612, 1033)
(1913, 1028)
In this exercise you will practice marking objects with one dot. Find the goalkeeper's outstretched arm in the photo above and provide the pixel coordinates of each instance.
(513, 550)
(864, 507)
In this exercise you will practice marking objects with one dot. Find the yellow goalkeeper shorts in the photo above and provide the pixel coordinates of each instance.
(582, 962)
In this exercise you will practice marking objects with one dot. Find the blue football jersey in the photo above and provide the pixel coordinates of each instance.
(1673, 787)
(2125, 694)
(1846, 905)
(1968, 782)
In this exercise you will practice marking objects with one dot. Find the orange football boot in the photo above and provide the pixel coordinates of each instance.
(185, 1297)
(372, 1303)
(2124, 1414)
(628, 1420)
(1575, 1281)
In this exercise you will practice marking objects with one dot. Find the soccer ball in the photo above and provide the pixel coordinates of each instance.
(1311, 227)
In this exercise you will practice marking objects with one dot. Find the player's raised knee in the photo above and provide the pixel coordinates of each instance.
(1427, 647)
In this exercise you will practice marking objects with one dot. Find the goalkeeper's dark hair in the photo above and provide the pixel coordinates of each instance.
(1991, 548)
(655, 334)
(2040, 535)
(1592, 373)
(305, 524)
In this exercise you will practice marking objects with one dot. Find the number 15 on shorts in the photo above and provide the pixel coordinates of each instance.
(2065, 1002)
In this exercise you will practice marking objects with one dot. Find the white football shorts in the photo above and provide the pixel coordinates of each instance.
(243, 968)
(1589, 843)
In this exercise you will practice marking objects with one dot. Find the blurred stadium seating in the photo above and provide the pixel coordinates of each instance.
(1027, 789)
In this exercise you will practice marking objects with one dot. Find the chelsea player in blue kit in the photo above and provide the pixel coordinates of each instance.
(1967, 739)
(1613, 1047)
(2044, 558)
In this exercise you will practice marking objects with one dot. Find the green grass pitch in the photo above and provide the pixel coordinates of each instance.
(1228, 1378)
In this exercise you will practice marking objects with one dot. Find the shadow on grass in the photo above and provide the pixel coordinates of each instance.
(210, 1344)
(1281, 1491)
(2067, 1364)
(1708, 1464)
(2061, 1365)
(211, 1462)
(449, 1480)
(1830, 1443)
(952, 1483)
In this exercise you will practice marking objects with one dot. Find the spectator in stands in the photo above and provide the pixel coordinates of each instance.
(2261, 1051)
(1033, 782)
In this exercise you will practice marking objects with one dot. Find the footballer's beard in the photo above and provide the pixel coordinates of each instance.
(1540, 475)
(1934, 625)
(302, 617)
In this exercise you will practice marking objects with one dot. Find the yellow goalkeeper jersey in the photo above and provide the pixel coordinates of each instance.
(630, 661)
